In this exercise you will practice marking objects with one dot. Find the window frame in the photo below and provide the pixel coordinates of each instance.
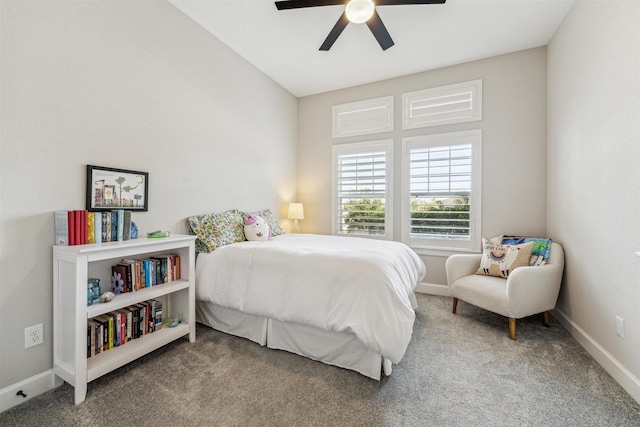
(338, 150)
(443, 247)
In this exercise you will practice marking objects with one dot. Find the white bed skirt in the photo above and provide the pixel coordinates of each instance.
(341, 349)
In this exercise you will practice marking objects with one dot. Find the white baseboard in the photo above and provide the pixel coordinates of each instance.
(31, 387)
(622, 375)
(433, 289)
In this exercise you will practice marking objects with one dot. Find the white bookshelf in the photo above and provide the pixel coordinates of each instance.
(73, 265)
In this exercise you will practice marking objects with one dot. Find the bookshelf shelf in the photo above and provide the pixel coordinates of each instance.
(73, 265)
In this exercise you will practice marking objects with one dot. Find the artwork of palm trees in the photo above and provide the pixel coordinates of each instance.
(116, 189)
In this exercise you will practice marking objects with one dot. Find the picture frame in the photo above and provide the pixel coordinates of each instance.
(111, 188)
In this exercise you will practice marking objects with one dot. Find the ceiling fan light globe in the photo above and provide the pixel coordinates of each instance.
(359, 11)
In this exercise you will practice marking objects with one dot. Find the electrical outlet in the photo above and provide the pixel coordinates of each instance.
(33, 335)
(620, 326)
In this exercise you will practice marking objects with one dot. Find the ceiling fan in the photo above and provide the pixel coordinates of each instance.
(356, 11)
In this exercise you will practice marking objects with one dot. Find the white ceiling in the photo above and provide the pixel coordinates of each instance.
(284, 44)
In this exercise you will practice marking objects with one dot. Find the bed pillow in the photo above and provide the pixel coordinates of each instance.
(276, 230)
(540, 252)
(256, 228)
(217, 229)
(500, 260)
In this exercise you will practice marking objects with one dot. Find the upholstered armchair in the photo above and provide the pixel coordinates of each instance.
(526, 291)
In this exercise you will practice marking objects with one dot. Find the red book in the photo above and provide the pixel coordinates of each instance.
(78, 227)
(71, 219)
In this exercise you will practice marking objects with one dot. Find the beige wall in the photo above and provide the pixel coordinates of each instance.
(134, 85)
(593, 202)
(514, 144)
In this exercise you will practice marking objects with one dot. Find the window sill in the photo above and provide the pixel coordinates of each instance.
(441, 252)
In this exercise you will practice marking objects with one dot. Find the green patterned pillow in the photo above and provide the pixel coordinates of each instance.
(217, 229)
(276, 230)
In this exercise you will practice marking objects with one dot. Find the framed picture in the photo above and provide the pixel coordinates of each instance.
(109, 188)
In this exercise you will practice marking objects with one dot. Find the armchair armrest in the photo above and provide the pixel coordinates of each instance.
(461, 265)
(531, 290)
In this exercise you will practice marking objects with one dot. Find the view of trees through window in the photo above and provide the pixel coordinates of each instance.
(446, 217)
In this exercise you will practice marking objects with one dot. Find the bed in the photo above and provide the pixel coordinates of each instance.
(345, 301)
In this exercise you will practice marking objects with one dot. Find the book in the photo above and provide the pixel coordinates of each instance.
(98, 227)
(142, 318)
(157, 316)
(71, 223)
(78, 226)
(119, 279)
(106, 228)
(129, 270)
(91, 228)
(160, 276)
(99, 336)
(88, 339)
(114, 226)
(128, 322)
(135, 321)
(93, 336)
(120, 235)
(116, 319)
(61, 223)
(107, 331)
(126, 228)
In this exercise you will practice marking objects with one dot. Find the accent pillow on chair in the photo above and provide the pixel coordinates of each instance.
(500, 260)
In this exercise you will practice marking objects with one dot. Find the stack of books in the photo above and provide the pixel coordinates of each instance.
(132, 275)
(118, 327)
(79, 227)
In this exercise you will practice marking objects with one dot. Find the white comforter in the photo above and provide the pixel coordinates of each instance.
(358, 285)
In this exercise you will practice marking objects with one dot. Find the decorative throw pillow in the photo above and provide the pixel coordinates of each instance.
(500, 260)
(217, 229)
(276, 230)
(256, 228)
(540, 252)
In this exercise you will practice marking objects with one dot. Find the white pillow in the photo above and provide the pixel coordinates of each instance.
(256, 228)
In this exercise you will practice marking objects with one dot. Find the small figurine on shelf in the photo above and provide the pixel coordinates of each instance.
(134, 230)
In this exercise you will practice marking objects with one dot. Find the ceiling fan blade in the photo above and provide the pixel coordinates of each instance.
(380, 31)
(298, 4)
(335, 32)
(402, 2)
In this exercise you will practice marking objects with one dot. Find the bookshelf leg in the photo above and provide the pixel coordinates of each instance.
(80, 393)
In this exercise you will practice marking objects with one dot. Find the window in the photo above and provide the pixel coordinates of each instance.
(363, 117)
(362, 189)
(441, 191)
(457, 103)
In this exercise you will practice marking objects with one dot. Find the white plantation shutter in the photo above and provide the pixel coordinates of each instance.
(456, 103)
(361, 184)
(363, 117)
(441, 200)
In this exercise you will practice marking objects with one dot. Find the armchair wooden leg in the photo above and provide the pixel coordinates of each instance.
(545, 319)
(455, 305)
(512, 328)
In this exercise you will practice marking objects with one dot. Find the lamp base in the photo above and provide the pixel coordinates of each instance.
(295, 228)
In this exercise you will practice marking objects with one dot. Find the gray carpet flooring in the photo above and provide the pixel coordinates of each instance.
(459, 370)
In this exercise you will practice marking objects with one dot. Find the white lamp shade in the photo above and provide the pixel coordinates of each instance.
(296, 211)
(359, 11)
